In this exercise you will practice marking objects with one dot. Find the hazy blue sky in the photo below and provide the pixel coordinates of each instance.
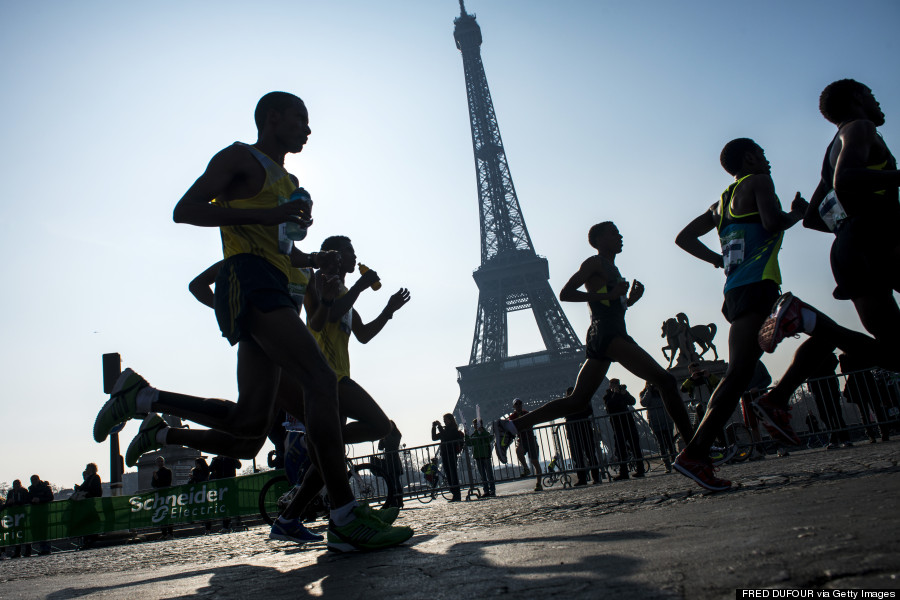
(608, 110)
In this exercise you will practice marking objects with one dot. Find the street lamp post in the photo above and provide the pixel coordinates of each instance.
(112, 368)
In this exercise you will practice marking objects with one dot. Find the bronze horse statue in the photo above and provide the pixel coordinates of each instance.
(680, 336)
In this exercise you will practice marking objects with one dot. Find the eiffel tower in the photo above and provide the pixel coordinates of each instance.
(511, 276)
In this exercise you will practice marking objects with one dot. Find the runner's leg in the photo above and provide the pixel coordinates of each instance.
(283, 337)
(636, 360)
(590, 377)
(370, 423)
(744, 352)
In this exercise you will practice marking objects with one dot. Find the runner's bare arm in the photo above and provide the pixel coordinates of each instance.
(688, 239)
(346, 302)
(227, 171)
(850, 169)
(773, 218)
(319, 299)
(589, 271)
(637, 292)
(813, 220)
(364, 332)
(201, 285)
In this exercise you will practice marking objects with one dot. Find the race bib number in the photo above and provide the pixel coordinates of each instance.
(831, 211)
(732, 250)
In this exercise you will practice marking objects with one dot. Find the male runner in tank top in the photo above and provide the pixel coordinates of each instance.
(857, 199)
(244, 191)
(332, 319)
(750, 224)
(607, 295)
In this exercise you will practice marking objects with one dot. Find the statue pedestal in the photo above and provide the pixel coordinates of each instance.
(714, 367)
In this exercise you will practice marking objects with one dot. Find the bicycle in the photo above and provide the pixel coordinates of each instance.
(554, 473)
(738, 435)
(366, 480)
(437, 485)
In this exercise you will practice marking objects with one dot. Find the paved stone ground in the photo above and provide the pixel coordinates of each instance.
(817, 518)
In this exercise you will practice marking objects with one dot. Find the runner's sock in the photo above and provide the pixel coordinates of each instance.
(809, 319)
(161, 435)
(343, 514)
(145, 399)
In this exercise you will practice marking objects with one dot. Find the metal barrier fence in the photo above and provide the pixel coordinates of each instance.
(829, 411)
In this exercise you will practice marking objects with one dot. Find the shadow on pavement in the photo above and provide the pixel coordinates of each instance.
(573, 565)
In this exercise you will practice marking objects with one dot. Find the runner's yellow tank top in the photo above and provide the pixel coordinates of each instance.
(334, 342)
(265, 241)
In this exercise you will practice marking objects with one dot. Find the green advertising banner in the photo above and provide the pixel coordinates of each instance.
(168, 506)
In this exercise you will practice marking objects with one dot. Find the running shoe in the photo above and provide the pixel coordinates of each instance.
(776, 420)
(387, 514)
(121, 406)
(784, 321)
(504, 433)
(145, 440)
(701, 471)
(293, 531)
(720, 456)
(365, 532)
(538, 487)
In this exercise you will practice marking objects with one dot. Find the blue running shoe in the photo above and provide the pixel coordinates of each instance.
(293, 531)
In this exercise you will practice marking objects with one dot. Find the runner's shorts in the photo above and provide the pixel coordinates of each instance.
(248, 280)
(864, 258)
(753, 298)
(599, 336)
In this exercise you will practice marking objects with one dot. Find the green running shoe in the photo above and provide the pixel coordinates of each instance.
(365, 532)
(145, 440)
(388, 514)
(121, 406)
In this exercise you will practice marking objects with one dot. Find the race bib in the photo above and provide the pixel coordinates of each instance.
(831, 211)
(732, 249)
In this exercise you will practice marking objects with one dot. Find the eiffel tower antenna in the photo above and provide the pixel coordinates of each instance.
(511, 276)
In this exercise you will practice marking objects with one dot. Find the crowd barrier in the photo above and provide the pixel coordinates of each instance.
(833, 410)
(192, 503)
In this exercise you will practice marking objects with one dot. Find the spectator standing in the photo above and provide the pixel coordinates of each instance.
(41, 493)
(526, 445)
(583, 443)
(390, 445)
(823, 385)
(225, 467)
(18, 496)
(868, 393)
(199, 474)
(660, 423)
(90, 487)
(618, 403)
(451, 439)
(162, 478)
(480, 441)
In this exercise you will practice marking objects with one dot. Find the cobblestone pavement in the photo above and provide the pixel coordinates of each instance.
(813, 519)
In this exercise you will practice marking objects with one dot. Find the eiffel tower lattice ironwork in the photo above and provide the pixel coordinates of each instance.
(511, 276)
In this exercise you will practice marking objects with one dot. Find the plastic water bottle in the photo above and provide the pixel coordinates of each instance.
(297, 231)
(362, 271)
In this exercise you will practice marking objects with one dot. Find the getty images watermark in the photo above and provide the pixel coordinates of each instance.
(857, 594)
